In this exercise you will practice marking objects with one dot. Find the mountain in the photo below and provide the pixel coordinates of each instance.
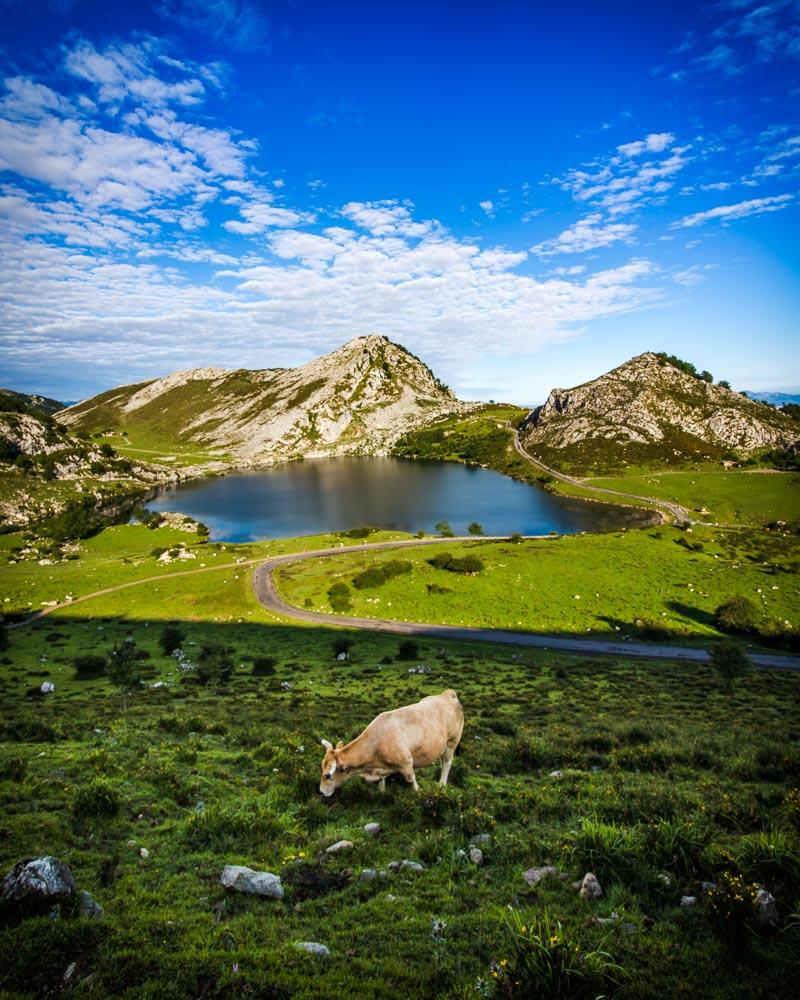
(651, 410)
(355, 401)
(11, 400)
(775, 398)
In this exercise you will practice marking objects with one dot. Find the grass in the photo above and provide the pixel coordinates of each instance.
(664, 775)
(596, 584)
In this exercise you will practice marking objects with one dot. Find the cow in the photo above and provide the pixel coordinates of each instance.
(398, 741)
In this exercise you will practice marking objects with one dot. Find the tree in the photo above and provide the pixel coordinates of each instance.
(342, 644)
(171, 638)
(706, 376)
(407, 650)
(89, 665)
(339, 597)
(739, 616)
(444, 529)
(724, 383)
(730, 661)
(124, 668)
(106, 450)
(475, 528)
(214, 664)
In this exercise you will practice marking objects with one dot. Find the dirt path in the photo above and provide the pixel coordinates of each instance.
(673, 509)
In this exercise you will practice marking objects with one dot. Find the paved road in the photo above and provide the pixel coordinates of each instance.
(674, 509)
(266, 593)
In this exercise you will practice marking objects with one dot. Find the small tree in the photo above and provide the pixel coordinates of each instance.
(475, 528)
(730, 661)
(339, 597)
(214, 664)
(89, 665)
(124, 668)
(342, 644)
(444, 529)
(407, 650)
(739, 616)
(171, 638)
(516, 538)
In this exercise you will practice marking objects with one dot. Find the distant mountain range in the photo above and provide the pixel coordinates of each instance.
(776, 398)
(356, 400)
(39, 404)
(652, 410)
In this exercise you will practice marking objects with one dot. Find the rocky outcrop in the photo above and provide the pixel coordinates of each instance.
(357, 400)
(654, 409)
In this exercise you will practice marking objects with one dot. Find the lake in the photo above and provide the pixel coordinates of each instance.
(305, 498)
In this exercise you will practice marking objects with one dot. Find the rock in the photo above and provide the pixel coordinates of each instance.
(89, 907)
(665, 880)
(687, 902)
(144, 853)
(243, 879)
(368, 875)
(533, 876)
(390, 898)
(555, 774)
(602, 921)
(69, 972)
(412, 866)
(44, 878)
(461, 854)
(373, 829)
(313, 948)
(765, 907)
(629, 928)
(708, 886)
(476, 855)
(341, 657)
(393, 866)
(48, 687)
(481, 838)
(590, 887)
(340, 845)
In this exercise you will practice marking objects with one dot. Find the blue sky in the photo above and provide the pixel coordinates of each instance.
(523, 194)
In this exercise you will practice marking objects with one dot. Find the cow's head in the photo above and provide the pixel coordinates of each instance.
(334, 773)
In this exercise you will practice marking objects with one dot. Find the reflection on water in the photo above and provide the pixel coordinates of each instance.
(305, 498)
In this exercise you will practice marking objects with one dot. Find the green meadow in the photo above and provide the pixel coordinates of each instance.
(620, 583)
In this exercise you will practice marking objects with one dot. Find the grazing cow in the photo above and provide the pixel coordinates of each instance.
(400, 740)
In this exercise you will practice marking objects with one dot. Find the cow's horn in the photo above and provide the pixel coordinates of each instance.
(327, 744)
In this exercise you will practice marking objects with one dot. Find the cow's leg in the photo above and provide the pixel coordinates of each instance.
(382, 784)
(407, 770)
(447, 760)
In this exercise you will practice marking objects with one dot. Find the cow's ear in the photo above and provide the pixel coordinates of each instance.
(326, 744)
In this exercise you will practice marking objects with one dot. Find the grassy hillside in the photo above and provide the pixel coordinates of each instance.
(664, 784)
(663, 582)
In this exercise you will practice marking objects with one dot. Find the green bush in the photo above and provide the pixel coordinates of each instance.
(381, 573)
(339, 598)
(407, 650)
(730, 661)
(171, 638)
(89, 665)
(455, 564)
(264, 666)
(214, 664)
(739, 616)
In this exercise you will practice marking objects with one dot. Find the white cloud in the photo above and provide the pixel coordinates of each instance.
(656, 142)
(589, 233)
(487, 206)
(741, 210)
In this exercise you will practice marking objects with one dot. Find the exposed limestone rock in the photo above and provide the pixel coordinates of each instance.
(590, 887)
(243, 879)
(44, 878)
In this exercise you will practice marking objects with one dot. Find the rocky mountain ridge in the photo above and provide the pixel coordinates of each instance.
(11, 400)
(357, 400)
(648, 409)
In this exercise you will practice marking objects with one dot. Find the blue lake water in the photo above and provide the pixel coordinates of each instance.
(304, 498)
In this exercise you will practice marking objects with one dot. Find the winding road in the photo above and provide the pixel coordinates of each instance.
(267, 594)
(674, 509)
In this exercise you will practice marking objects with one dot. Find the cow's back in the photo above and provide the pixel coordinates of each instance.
(423, 729)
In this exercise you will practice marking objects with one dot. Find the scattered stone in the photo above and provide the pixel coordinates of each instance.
(766, 908)
(340, 845)
(341, 657)
(69, 972)
(48, 687)
(602, 921)
(533, 876)
(665, 880)
(131, 843)
(461, 854)
(368, 875)
(629, 928)
(687, 902)
(313, 948)
(555, 774)
(390, 898)
(244, 879)
(590, 887)
(412, 866)
(707, 887)
(89, 907)
(393, 866)
(373, 829)
(44, 878)
(144, 853)
(476, 856)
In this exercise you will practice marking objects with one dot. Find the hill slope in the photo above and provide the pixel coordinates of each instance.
(357, 400)
(13, 401)
(649, 411)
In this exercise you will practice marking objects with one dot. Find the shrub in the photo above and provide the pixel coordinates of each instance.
(444, 529)
(455, 564)
(342, 644)
(124, 668)
(171, 638)
(730, 661)
(407, 650)
(730, 908)
(98, 798)
(214, 664)
(89, 665)
(515, 538)
(739, 616)
(356, 532)
(652, 630)
(339, 597)
(264, 666)
(434, 588)
(475, 528)
(377, 575)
